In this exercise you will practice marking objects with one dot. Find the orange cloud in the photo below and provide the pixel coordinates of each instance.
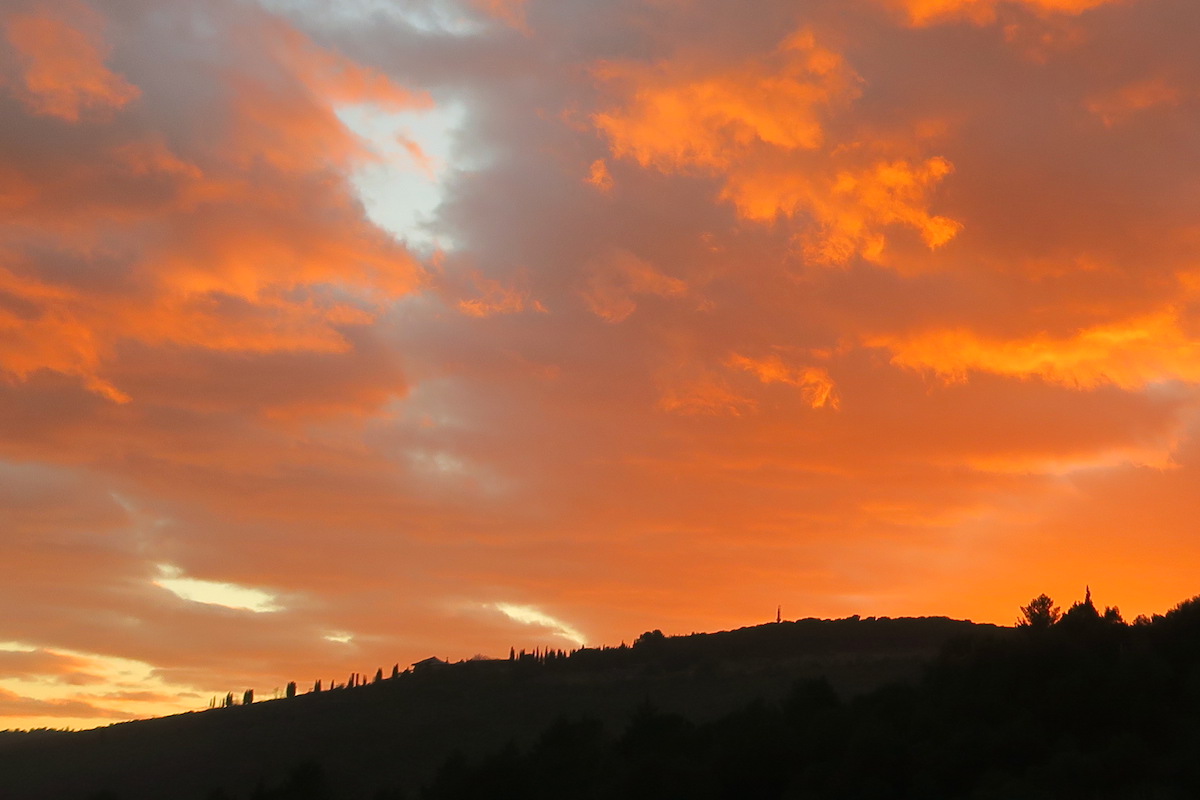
(814, 382)
(1130, 353)
(510, 12)
(615, 282)
(927, 12)
(1119, 104)
(242, 237)
(688, 388)
(599, 176)
(39, 329)
(683, 115)
(705, 395)
(850, 209)
(497, 299)
(279, 122)
(334, 78)
(62, 64)
(32, 664)
(760, 127)
(14, 705)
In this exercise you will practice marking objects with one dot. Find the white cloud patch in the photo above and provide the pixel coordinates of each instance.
(215, 593)
(528, 615)
(434, 17)
(402, 189)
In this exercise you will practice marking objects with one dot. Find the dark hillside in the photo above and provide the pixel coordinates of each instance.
(397, 733)
(1074, 706)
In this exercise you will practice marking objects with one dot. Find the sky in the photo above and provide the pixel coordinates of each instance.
(334, 336)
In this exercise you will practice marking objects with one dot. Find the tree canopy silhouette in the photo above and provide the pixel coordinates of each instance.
(1041, 613)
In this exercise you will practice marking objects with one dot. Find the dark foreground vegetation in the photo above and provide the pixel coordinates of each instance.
(1082, 706)
(1074, 705)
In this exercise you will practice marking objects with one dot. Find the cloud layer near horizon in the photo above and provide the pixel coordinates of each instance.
(876, 307)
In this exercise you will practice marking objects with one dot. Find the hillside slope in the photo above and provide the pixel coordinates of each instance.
(396, 733)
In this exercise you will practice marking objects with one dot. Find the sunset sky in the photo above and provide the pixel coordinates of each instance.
(335, 335)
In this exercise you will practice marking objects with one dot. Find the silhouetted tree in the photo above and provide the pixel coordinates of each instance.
(650, 638)
(379, 675)
(1040, 614)
(228, 700)
(291, 689)
(395, 670)
(1083, 613)
(1188, 611)
(247, 697)
(317, 686)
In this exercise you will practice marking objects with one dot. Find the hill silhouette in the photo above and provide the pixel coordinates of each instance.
(1064, 705)
(391, 735)
(1074, 705)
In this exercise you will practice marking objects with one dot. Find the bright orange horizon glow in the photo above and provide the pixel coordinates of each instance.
(875, 307)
